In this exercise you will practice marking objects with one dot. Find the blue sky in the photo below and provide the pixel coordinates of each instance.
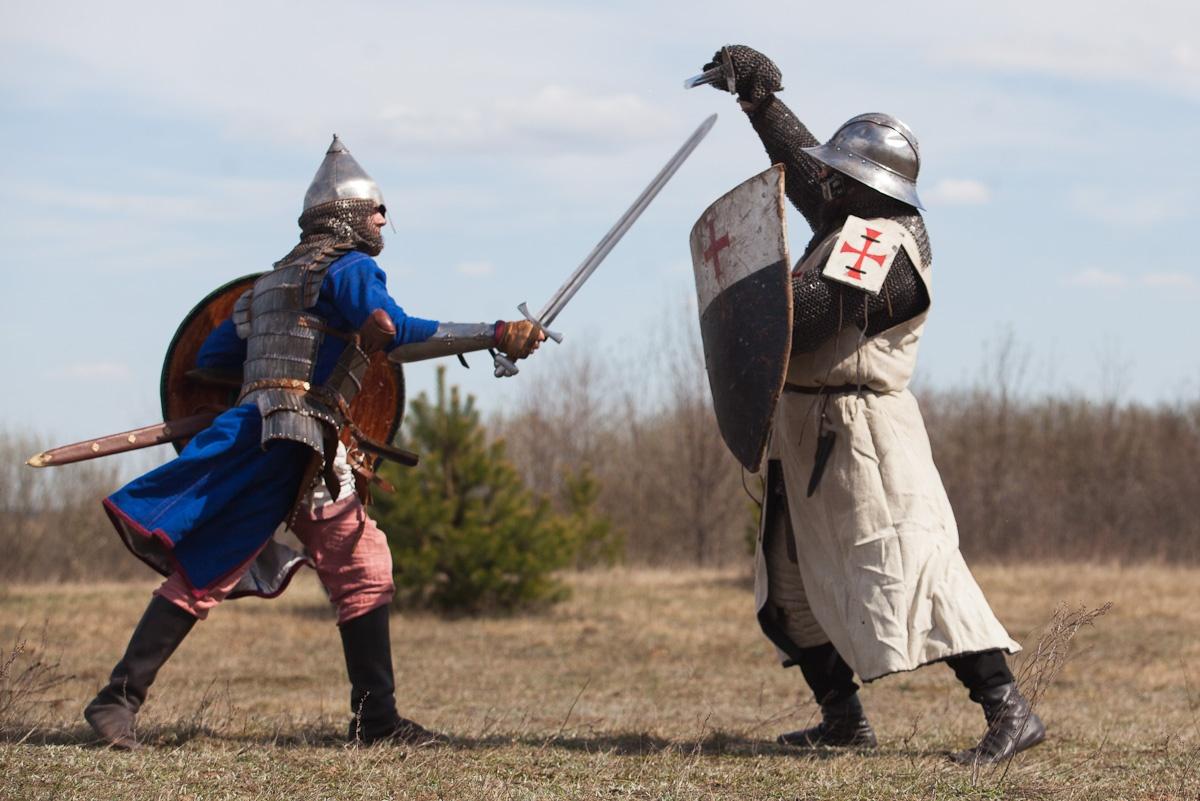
(151, 152)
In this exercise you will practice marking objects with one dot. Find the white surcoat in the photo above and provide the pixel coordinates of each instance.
(881, 575)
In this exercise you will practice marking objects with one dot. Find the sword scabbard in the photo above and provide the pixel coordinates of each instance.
(144, 437)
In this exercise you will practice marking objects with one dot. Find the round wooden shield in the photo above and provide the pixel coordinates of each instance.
(377, 410)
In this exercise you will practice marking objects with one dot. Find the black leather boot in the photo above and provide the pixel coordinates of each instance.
(1013, 726)
(113, 711)
(843, 725)
(367, 644)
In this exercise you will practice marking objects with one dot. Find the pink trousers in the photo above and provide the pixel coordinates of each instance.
(350, 552)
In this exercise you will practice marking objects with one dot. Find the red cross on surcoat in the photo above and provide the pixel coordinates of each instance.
(872, 236)
(715, 246)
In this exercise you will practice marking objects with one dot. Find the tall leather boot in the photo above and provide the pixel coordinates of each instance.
(1013, 726)
(113, 711)
(367, 644)
(843, 725)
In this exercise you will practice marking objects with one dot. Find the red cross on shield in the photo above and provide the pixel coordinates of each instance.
(743, 289)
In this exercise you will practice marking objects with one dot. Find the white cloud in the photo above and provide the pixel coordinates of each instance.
(1096, 278)
(189, 199)
(1148, 43)
(549, 120)
(1104, 279)
(91, 371)
(501, 83)
(957, 192)
(1184, 55)
(1170, 280)
(1127, 210)
(476, 269)
(568, 114)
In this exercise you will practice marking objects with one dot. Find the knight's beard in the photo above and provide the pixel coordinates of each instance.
(368, 236)
(372, 242)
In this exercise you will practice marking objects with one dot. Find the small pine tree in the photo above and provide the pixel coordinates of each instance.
(596, 541)
(465, 533)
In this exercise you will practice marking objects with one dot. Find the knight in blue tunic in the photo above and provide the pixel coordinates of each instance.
(301, 338)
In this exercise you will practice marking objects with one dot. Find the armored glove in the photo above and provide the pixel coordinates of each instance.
(754, 75)
(519, 338)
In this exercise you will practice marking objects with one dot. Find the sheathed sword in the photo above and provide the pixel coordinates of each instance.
(173, 431)
(145, 437)
(558, 301)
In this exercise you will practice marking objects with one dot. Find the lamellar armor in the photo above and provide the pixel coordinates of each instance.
(282, 340)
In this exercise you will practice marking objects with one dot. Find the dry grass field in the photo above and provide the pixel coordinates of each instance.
(646, 684)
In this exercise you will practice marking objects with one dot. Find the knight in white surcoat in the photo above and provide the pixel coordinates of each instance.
(858, 565)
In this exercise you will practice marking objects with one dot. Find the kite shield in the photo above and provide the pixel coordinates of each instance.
(377, 410)
(743, 283)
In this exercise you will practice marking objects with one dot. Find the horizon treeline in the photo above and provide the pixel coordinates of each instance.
(1030, 478)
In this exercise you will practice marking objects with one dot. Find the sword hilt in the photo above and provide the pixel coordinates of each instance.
(708, 76)
(721, 72)
(523, 308)
(505, 367)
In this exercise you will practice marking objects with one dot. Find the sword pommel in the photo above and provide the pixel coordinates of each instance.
(716, 74)
(708, 76)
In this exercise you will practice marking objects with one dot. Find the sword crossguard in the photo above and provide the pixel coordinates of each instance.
(523, 308)
(506, 367)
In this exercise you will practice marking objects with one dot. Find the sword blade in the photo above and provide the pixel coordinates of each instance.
(144, 437)
(584, 271)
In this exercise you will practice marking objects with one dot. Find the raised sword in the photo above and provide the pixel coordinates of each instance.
(505, 366)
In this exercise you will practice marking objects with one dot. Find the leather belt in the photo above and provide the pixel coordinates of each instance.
(840, 389)
(273, 383)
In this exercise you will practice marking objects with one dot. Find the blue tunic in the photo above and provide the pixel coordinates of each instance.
(209, 510)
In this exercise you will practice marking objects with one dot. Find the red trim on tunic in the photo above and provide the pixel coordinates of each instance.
(127, 526)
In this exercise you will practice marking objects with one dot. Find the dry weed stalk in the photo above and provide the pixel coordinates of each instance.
(1050, 654)
(24, 687)
(1041, 666)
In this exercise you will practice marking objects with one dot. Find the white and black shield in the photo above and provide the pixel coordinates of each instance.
(743, 282)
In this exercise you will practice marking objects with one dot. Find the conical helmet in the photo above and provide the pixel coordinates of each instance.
(338, 177)
(877, 150)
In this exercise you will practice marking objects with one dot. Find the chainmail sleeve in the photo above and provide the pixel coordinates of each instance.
(784, 137)
(821, 307)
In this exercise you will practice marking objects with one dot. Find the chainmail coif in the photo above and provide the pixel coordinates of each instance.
(340, 224)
